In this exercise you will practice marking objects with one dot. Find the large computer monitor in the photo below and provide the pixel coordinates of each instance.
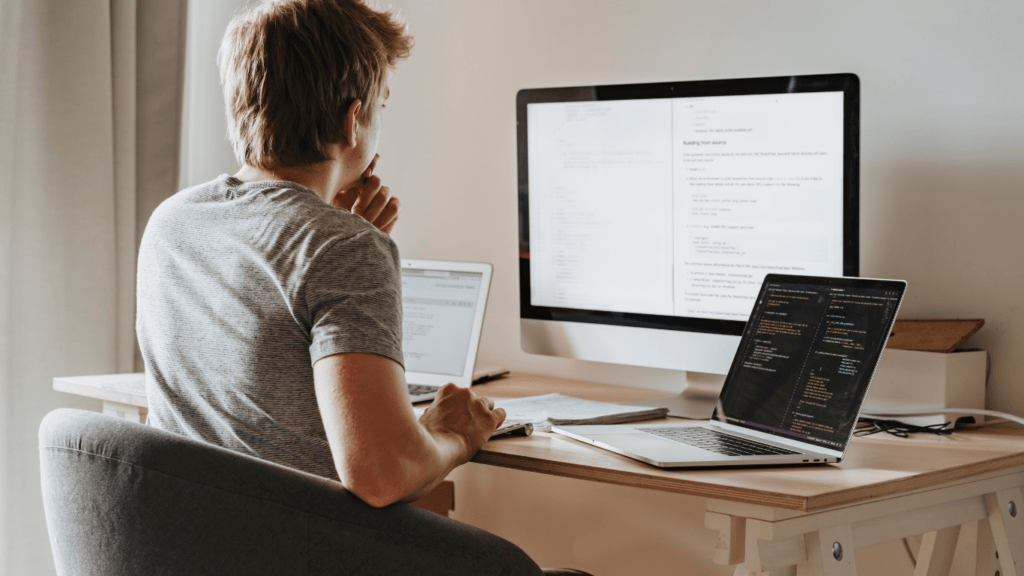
(649, 214)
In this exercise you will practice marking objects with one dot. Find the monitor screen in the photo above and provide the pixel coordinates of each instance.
(665, 205)
(807, 357)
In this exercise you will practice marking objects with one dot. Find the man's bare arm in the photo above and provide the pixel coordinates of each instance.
(382, 453)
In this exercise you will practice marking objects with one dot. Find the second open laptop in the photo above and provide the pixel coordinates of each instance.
(796, 385)
(443, 304)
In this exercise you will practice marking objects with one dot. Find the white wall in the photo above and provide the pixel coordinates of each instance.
(942, 144)
(942, 184)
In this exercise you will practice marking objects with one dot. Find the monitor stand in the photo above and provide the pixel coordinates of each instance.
(696, 401)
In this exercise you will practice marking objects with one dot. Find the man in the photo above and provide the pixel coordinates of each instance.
(269, 305)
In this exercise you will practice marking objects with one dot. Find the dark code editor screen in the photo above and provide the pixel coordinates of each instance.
(806, 359)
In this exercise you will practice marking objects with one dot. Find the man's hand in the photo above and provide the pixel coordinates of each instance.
(461, 412)
(370, 200)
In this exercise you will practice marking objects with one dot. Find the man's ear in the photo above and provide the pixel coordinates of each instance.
(352, 123)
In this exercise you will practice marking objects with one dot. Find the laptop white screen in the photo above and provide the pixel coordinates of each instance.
(438, 309)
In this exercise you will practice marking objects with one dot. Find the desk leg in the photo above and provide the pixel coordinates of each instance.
(731, 534)
(987, 561)
(125, 411)
(829, 553)
(935, 557)
(1006, 529)
(777, 542)
(825, 552)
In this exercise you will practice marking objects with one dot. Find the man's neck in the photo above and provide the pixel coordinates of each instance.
(326, 179)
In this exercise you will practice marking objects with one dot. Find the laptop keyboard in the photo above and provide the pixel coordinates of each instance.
(717, 442)
(419, 389)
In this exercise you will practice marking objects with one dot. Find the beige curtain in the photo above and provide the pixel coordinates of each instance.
(90, 109)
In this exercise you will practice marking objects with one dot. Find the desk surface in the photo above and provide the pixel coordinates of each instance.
(875, 467)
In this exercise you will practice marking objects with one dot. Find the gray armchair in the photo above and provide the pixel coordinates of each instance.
(124, 498)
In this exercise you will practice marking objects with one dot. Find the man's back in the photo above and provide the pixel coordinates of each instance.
(269, 314)
(241, 288)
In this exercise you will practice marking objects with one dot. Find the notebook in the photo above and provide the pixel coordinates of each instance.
(443, 306)
(796, 385)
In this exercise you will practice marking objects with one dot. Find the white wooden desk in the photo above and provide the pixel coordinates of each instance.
(123, 395)
(809, 520)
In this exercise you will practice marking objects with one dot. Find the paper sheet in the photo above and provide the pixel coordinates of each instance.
(550, 409)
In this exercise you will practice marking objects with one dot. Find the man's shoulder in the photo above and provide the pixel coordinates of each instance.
(303, 217)
(277, 207)
(284, 225)
(290, 222)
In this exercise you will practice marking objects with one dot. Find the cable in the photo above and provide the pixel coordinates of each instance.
(868, 426)
(883, 414)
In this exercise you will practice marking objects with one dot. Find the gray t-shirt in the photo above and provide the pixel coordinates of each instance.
(241, 288)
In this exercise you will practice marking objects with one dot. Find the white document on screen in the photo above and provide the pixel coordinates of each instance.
(681, 206)
(438, 308)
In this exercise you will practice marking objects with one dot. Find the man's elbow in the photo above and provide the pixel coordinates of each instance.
(375, 490)
(378, 498)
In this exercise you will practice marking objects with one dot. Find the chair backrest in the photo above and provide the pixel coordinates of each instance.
(125, 498)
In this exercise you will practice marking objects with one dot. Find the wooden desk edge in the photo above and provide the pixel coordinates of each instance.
(807, 504)
(920, 482)
(748, 495)
(639, 480)
(108, 394)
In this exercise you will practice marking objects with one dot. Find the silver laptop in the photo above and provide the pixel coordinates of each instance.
(796, 385)
(443, 306)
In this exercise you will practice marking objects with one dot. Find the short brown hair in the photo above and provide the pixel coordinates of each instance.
(290, 69)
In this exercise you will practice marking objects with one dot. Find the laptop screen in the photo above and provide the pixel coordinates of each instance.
(807, 356)
(438, 308)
